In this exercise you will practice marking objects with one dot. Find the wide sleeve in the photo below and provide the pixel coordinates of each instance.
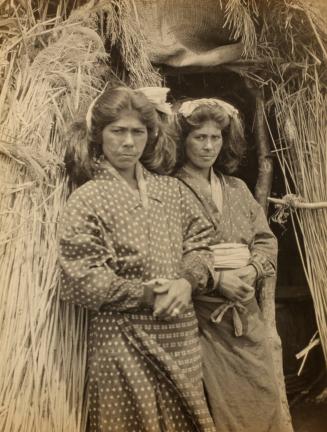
(197, 261)
(88, 262)
(264, 245)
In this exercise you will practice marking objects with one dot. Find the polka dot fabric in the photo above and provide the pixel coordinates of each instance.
(145, 373)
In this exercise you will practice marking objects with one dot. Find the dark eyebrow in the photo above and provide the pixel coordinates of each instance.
(142, 128)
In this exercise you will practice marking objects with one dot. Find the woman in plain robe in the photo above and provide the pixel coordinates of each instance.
(238, 370)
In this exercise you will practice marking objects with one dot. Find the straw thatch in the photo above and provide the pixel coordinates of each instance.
(286, 57)
(50, 71)
(43, 354)
(297, 89)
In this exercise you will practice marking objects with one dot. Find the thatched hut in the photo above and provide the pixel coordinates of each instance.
(268, 57)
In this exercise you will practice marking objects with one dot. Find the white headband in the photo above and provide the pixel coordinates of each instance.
(156, 95)
(187, 108)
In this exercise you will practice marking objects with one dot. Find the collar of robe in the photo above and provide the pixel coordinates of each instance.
(147, 186)
(215, 186)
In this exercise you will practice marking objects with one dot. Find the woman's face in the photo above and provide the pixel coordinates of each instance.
(203, 145)
(123, 140)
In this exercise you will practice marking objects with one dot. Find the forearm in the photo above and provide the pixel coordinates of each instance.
(197, 269)
(100, 288)
(265, 266)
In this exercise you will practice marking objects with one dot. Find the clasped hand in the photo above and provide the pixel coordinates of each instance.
(172, 297)
(238, 284)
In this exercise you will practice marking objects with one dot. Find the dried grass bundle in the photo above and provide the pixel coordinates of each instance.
(302, 153)
(117, 23)
(50, 70)
(43, 343)
(296, 80)
(292, 39)
(239, 19)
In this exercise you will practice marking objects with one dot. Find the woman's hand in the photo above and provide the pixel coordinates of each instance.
(172, 298)
(233, 287)
(248, 274)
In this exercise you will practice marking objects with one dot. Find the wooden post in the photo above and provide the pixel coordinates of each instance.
(267, 288)
(265, 162)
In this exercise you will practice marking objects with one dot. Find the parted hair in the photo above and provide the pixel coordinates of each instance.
(84, 145)
(234, 145)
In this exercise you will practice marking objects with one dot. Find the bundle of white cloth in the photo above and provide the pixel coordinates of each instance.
(230, 255)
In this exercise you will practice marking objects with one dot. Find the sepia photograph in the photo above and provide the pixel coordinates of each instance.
(163, 215)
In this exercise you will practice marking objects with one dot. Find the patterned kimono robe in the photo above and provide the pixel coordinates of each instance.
(238, 370)
(144, 373)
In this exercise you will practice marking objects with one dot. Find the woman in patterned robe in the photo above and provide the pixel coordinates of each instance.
(238, 370)
(122, 231)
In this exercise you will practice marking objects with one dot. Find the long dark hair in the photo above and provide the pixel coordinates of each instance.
(234, 146)
(84, 145)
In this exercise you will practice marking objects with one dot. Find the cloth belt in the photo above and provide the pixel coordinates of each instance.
(228, 256)
(224, 305)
